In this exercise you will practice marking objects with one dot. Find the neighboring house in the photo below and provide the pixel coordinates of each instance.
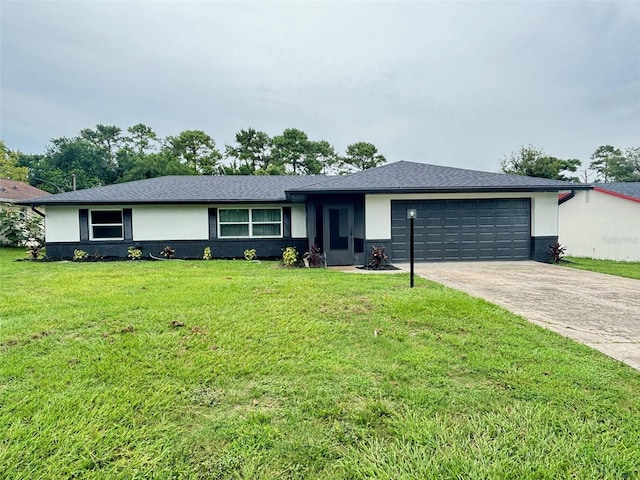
(461, 215)
(602, 223)
(12, 191)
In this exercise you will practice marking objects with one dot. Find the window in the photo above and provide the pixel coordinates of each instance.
(250, 222)
(106, 225)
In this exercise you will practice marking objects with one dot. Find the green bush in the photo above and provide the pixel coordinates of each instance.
(18, 227)
(34, 248)
(289, 256)
(134, 253)
(250, 254)
(80, 255)
(207, 253)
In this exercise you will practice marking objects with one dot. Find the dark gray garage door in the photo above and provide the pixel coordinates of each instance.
(492, 229)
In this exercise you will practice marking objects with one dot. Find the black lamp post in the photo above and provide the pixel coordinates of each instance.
(411, 215)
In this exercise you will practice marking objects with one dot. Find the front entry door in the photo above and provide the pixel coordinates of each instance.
(338, 238)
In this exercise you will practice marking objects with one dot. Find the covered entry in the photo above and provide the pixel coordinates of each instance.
(338, 234)
(450, 230)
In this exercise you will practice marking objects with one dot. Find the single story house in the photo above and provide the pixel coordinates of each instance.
(602, 223)
(461, 215)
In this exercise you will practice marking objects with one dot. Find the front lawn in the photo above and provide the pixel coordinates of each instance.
(231, 369)
(611, 267)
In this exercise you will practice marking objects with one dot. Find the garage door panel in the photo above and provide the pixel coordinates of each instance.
(521, 238)
(487, 229)
(452, 237)
(486, 221)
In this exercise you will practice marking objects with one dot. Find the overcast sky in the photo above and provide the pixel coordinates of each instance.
(450, 83)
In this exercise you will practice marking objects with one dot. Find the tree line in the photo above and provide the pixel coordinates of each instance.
(608, 164)
(107, 155)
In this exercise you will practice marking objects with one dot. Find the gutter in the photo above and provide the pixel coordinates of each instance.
(567, 198)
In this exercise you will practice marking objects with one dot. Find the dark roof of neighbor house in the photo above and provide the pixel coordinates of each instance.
(406, 177)
(629, 190)
(12, 190)
(421, 177)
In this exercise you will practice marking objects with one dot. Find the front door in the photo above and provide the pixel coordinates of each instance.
(338, 237)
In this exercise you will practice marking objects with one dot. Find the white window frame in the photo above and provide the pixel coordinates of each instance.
(121, 224)
(251, 223)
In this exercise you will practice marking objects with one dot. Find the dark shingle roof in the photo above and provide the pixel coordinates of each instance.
(420, 177)
(628, 189)
(185, 189)
(407, 177)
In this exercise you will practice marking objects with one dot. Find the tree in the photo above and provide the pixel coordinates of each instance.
(325, 156)
(9, 165)
(632, 156)
(106, 137)
(604, 161)
(197, 150)
(140, 167)
(141, 138)
(252, 153)
(69, 158)
(611, 165)
(294, 153)
(360, 156)
(532, 162)
(290, 150)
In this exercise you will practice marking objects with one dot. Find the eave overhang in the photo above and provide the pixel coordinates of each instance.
(151, 202)
(299, 193)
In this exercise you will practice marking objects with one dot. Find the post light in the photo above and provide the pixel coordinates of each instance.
(411, 215)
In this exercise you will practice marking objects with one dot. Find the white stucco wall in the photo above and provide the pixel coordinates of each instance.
(377, 216)
(544, 214)
(599, 225)
(61, 224)
(170, 222)
(299, 220)
(159, 222)
(544, 210)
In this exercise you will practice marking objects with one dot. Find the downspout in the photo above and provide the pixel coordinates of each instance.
(33, 209)
(567, 198)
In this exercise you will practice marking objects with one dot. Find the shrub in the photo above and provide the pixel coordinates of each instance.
(289, 256)
(134, 253)
(168, 252)
(206, 255)
(314, 257)
(34, 248)
(80, 255)
(556, 251)
(250, 254)
(18, 227)
(378, 258)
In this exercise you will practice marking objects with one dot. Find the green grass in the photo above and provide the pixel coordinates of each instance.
(231, 369)
(611, 267)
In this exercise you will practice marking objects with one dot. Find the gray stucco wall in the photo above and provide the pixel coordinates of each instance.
(540, 248)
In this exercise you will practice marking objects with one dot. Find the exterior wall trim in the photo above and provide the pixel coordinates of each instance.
(616, 194)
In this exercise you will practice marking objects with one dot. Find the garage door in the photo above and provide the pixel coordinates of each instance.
(491, 229)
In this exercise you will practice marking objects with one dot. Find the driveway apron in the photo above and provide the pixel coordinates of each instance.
(602, 311)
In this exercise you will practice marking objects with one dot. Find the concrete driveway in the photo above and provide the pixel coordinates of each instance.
(602, 311)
